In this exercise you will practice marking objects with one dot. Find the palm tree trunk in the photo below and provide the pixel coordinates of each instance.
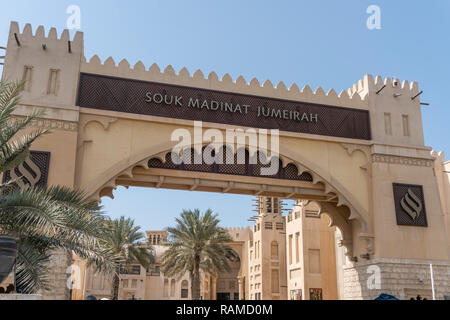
(68, 290)
(115, 286)
(195, 286)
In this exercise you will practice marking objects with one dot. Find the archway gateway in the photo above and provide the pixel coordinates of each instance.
(359, 154)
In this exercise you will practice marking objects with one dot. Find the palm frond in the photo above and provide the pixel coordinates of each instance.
(9, 98)
(17, 151)
(197, 235)
(32, 268)
(44, 220)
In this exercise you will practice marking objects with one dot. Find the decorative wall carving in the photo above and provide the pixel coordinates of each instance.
(410, 205)
(402, 160)
(32, 173)
(50, 124)
(350, 147)
(290, 172)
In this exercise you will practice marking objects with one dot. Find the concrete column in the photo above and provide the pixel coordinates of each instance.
(241, 284)
(213, 288)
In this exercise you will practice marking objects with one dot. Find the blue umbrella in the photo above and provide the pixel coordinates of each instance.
(385, 296)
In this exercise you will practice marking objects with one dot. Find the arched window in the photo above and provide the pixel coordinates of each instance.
(166, 288)
(274, 250)
(172, 288)
(184, 289)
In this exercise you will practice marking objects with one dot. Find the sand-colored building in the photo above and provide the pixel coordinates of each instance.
(312, 254)
(359, 155)
(136, 282)
(271, 265)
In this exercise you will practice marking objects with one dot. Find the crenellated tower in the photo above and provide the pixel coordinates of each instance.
(267, 252)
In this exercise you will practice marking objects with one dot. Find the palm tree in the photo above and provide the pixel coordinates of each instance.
(197, 244)
(123, 239)
(42, 220)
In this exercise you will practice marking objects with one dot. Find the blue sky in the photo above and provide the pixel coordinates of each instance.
(319, 43)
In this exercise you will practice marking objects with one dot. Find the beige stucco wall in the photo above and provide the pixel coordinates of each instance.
(404, 241)
(316, 237)
(442, 172)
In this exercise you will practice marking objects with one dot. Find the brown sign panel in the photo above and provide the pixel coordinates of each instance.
(181, 102)
(31, 173)
(410, 205)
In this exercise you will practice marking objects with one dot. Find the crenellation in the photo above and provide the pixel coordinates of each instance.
(213, 77)
(27, 30)
(139, 67)
(370, 85)
(124, 66)
(154, 69)
(307, 92)
(198, 75)
(267, 84)
(169, 71)
(65, 36)
(185, 75)
(281, 87)
(332, 94)
(54, 60)
(109, 63)
(240, 85)
(254, 84)
(53, 34)
(319, 92)
(27, 34)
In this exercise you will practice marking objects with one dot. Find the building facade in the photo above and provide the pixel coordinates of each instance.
(271, 265)
(311, 254)
(136, 282)
(359, 155)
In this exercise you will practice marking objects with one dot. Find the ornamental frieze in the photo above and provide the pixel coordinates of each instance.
(402, 160)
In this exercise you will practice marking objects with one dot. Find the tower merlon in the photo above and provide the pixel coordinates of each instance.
(28, 39)
(49, 66)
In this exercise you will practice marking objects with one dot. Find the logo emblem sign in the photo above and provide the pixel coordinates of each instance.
(33, 172)
(409, 205)
(32, 176)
